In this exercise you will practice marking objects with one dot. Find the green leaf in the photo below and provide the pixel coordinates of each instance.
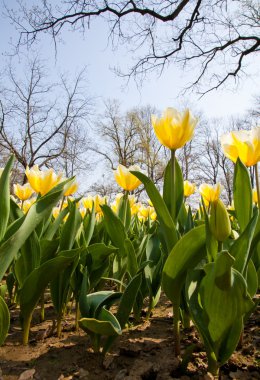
(29, 258)
(70, 229)
(4, 320)
(99, 253)
(95, 301)
(153, 271)
(192, 296)
(5, 196)
(39, 278)
(243, 198)
(217, 302)
(224, 299)
(53, 227)
(90, 226)
(128, 299)
(114, 227)
(107, 324)
(251, 279)
(15, 211)
(186, 254)
(124, 211)
(163, 215)
(211, 242)
(125, 306)
(178, 188)
(48, 249)
(36, 214)
(132, 265)
(240, 249)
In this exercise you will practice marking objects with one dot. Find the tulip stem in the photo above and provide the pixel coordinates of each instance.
(257, 185)
(173, 195)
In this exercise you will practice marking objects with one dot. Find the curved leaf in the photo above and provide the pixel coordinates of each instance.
(178, 188)
(4, 320)
(186, 254)
(5, 196)
(243, 198)
(39, 278)
(36, 214)
(163, 215)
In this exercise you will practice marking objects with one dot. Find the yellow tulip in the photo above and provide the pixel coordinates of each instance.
(88, 202)
(83, 212)
(255, 200)
(132, 199)
(135, 208)
(23, 192)
(210, 193)
(42, 181)
(99, 201)
(125, 179)
(26, 205)
(242, 144)
(72, 189)
(55, 212)
(145, 212)
(189, 188)
(174, 129)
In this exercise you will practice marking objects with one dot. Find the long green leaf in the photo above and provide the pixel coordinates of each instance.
(186, 254)
(5, 197)
(163, 215)
(29, 258)
(241, 247)
(39, 278)
(36, 214)
(243, 198)
(4, 320)
(178, 187)
(114, 227)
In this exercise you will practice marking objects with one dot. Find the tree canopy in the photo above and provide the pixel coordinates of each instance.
(215, 38)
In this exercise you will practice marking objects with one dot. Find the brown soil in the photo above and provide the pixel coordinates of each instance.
(145, 351)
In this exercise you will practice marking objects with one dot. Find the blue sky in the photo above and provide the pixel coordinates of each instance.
(94, 52)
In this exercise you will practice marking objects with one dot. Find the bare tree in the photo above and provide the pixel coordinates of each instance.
(129, 139)
(118, 133)
(149, 152)
(217, 37)
(38, 121)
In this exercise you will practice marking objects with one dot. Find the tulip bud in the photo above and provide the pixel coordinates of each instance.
(219, 221)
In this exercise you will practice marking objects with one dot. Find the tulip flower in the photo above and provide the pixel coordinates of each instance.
(174, 129)
(125, 179)
(189, 188)
(72, 189)
(255, 200)
(99, 201)
(210, 193)
(83, 212)
(23, 192)
(135, 208)
(55, 212)
(242, 144)
(26, 205)
(88, 202)
(42, 181)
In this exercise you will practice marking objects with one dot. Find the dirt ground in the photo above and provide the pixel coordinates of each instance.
(145, 351)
